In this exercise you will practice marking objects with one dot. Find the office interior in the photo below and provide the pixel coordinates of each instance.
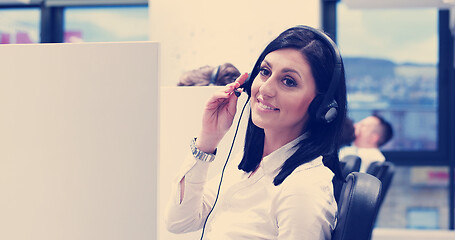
(399, 59)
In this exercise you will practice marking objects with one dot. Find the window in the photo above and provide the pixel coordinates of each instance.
(19, 25)
(399, 64)
(106, 24)
(55, 21)
(423, 218)
(391, 61)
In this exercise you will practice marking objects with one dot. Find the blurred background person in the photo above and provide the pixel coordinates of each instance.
(371, 133)
(208, 75)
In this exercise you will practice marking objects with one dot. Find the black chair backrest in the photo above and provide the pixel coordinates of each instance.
(357, 207)
(383, 171)
(349, 164)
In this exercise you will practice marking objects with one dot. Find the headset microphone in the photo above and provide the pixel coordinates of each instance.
(214, 77)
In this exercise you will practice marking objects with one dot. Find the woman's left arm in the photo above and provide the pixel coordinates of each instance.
(188, 213)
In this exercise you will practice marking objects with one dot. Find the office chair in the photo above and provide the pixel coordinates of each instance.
(349, 163)
(383, 171)
(357, 207)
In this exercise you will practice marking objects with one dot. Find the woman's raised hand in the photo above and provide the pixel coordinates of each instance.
(218, 115)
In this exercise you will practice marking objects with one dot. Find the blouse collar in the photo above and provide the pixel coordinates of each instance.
(272, 162)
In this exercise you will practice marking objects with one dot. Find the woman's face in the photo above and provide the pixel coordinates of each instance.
(282, 92)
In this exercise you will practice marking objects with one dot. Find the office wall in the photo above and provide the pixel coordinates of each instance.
(202, 32)
(78, 141)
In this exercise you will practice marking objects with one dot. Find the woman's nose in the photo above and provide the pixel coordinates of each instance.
(268, 87)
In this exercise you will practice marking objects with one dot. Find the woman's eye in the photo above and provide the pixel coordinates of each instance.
(264, 72)
(289, 82)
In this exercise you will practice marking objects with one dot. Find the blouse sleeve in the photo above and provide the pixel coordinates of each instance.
(307, 213)
(190, 214)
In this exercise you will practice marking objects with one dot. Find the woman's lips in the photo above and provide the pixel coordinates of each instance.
(266, 106)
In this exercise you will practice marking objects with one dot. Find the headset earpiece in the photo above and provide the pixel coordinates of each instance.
(323, 112)
(332, 111)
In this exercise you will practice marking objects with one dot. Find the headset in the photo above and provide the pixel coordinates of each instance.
(214, 75)
(324, 107)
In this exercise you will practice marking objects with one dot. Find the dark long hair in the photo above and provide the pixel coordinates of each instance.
(323, 138)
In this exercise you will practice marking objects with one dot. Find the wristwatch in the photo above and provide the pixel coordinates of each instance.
(200, 155)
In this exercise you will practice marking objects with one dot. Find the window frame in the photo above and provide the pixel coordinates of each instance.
(440, 156)
(52, 13)
(444, 155)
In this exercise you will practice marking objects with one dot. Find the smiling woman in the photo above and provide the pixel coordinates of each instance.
(280, 186)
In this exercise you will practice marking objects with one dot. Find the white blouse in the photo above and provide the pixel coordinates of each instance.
(367, 155)
(251, 206)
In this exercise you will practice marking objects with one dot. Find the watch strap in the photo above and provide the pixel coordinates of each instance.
(200, 155)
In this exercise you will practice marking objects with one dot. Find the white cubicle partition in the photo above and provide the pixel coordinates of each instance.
(79, 141)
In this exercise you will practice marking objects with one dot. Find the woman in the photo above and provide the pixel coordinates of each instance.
(280, 187)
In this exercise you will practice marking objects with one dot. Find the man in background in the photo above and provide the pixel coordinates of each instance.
(371, 133)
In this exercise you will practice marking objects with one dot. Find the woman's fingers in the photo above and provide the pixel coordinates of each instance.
(225, 97)
(230, 88)
(218, 98)
(241, 80)
(219, 112)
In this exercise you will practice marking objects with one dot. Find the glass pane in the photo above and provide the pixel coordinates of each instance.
(19, 25)
(391, 58)
(106, 24)
(417, 199)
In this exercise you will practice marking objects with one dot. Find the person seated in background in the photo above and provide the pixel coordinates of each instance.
(371, 133)
(207, 75)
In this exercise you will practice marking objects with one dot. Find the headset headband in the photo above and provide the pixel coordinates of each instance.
(327, 110)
